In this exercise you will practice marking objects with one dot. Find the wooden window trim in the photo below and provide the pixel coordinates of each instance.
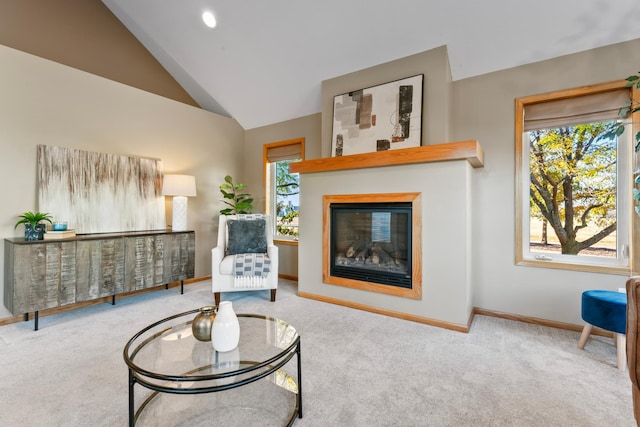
(265, 165)
(634, 223)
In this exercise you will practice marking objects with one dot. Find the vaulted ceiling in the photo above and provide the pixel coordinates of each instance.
(265, 61)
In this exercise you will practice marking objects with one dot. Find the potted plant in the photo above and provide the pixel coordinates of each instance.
(33, 229)
(239, 202)
(630, 107)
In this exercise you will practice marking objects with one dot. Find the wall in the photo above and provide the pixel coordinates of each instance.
(90, 38)
(316, 128)
(446, 292)
(307, 127)
(484, 109)
(444, 188)
(433, 64)
(44, 102)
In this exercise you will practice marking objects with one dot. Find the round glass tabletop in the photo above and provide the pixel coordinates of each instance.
(166, 357)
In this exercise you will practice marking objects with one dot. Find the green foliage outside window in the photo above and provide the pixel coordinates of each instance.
(573, 182)
(287, 186)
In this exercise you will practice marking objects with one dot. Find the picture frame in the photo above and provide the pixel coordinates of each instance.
(378, 118)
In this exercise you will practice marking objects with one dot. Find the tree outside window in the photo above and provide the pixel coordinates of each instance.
(287, 201)
(573, 188)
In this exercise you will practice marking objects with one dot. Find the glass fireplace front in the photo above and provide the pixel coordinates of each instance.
(371, 242)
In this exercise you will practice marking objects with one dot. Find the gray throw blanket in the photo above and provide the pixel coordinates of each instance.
(251, 270)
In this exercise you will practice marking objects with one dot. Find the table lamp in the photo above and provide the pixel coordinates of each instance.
(180, 187)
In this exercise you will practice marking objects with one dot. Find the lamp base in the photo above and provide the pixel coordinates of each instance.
(179, 220)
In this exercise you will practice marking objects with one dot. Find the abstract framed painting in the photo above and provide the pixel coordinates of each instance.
(99, 192)
(378, 118)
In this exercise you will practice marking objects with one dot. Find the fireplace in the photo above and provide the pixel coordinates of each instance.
(372, 242)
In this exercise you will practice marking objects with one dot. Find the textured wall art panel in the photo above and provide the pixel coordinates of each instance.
(383, 117)
(100, 193)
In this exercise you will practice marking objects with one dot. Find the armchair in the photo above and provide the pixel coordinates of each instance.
(245, 258)
(633, 340)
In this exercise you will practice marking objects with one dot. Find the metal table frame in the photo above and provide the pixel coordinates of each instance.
(138, 375)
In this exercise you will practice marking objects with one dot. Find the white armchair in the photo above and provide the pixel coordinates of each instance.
(245, 258)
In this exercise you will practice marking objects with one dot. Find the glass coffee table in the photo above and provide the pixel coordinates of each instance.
(188, 383)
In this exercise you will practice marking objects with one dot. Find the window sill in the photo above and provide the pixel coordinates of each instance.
(285, 242)
(591, 268)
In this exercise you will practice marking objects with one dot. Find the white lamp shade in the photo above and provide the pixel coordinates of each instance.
(179, 185)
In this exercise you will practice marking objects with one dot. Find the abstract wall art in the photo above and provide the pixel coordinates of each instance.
(100, 193)
(378, 118)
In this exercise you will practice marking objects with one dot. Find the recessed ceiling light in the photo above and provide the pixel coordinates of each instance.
(209, 19)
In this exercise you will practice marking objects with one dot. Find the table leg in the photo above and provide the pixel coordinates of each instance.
(299, 383)
(131, 401)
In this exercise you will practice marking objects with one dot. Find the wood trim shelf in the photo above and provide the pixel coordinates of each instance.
(463, 150)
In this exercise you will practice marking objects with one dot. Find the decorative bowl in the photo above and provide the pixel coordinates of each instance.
(59, 226)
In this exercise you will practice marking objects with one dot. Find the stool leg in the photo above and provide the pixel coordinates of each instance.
(621, 343)
(586, 331)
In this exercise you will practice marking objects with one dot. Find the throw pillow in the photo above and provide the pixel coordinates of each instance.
(246, 236)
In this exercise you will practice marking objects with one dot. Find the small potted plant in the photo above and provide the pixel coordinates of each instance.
(239, 202)
(33, 229)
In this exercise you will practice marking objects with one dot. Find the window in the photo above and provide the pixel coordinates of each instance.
(573, 180)
(283, 188)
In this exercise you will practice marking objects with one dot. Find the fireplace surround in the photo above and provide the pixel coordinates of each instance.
(371, 242)
(443, 176)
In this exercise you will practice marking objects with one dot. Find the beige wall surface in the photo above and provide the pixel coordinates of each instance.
(47, 103)
(288, 260)
(307, 127)
(433, 64)
(87, 36)
(445, 228)
(484, 109)
(446, 293)
(44, 102)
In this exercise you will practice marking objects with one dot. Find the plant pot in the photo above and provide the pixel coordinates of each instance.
(34, 233)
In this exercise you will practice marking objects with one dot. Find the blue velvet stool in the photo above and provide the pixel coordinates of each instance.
(606, 310)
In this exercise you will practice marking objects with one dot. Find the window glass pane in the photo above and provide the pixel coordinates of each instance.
(287, 200)
(573, 188)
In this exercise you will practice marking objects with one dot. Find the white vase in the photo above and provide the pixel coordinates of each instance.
(225, 332)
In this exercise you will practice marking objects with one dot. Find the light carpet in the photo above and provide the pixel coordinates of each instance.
(359, 368)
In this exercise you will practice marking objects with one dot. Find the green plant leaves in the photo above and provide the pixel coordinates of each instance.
(33, 218)
(238, 202)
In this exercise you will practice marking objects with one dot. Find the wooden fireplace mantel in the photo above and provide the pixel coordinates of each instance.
(463, 150)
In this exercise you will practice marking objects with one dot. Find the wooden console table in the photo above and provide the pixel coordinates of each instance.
(45, 274)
